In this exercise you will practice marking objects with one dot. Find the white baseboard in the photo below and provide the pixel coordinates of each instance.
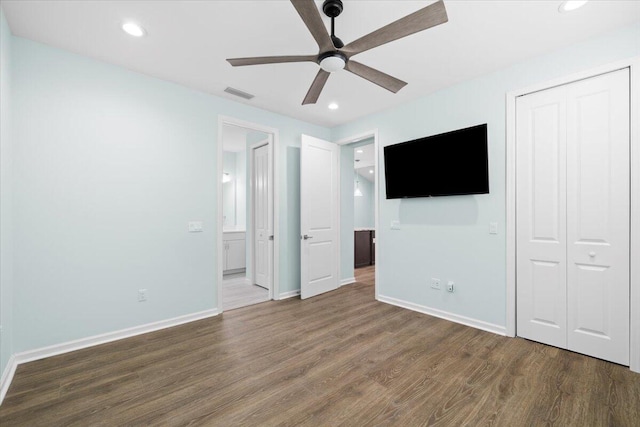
(290, 294)
(54, 350)
(474, 323)
(7, 376)
(348, 281)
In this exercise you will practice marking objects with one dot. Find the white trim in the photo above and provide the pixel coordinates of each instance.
(634, 65)
(348, 281)
(220, 225)
(376, 256)
(7, 376)
(226, 120)
(452, 317)
(634, 355)
(54, 350)
(510, 197)
(289, 294)
(357, 138)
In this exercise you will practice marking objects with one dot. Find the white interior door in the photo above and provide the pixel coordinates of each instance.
(572, 216)
(541, 264)
(318, 216)
(262, 215)
(598, 206)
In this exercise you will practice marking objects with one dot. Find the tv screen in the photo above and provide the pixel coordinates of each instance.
(449, 164)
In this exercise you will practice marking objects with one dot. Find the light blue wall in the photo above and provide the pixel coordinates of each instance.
(229, 202)
(6, 196)
(110, 165)
(363, 207)
(448, 237)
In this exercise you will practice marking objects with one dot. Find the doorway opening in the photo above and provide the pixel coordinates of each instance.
(359, 186)
(246, 217)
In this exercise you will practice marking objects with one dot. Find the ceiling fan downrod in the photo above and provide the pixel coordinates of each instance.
(333, 9)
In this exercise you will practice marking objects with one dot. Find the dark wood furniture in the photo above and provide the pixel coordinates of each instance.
(364, 248)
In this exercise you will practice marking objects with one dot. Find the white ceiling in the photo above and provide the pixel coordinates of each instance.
(367, 173)
(188, 42)
(234, 138)
(364, 156)
(365, 161)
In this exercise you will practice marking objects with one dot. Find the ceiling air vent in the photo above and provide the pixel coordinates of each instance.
(239, 93)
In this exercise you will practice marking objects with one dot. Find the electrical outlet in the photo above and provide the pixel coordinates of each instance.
(395, 225)
(435, 283)
(195, 226)
(142, 295)
(450, 286)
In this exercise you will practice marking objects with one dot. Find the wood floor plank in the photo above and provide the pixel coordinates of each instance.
(341, 358)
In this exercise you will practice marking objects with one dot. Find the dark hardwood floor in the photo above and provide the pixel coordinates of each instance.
(366, 275)
(337, 359)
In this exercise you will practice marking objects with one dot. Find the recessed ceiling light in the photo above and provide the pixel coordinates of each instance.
(370, 170)
(359, 151)
(133, 29)
(333, 106)
(569, 5)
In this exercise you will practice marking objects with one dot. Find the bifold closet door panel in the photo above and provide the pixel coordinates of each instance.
(541, 217)
(598, 209)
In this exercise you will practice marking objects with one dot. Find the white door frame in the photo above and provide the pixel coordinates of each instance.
(251, 217)
(634, 65)
(226, 120)
(356, 138)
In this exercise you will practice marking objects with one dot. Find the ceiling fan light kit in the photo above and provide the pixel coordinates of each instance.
(332, 61)
(334, 55)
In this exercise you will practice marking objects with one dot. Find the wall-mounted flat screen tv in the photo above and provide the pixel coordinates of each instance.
(448, 164)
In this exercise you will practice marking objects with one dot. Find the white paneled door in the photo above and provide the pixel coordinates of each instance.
(262, 215)
(541, 217)
(573, 196)
(318, 216)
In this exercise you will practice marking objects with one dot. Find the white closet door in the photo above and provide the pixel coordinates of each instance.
(541, 217)
(598, 216)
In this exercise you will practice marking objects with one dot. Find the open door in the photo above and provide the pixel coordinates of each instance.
(319, 200)
(262, 213)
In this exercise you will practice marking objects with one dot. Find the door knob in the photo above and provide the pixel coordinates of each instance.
(592, 254)
(307, 237)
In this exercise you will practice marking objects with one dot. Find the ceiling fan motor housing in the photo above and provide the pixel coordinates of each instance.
(332, 8)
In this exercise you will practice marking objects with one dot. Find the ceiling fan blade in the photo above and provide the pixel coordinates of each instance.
(430, 16)
(374, 76)
(311, 16)
(259, 60)
(316, 87)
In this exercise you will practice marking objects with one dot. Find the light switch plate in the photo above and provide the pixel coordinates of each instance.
(395, 225)
(195, 226)
(493, 228)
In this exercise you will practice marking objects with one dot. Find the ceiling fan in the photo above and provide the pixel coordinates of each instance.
(334, 55)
